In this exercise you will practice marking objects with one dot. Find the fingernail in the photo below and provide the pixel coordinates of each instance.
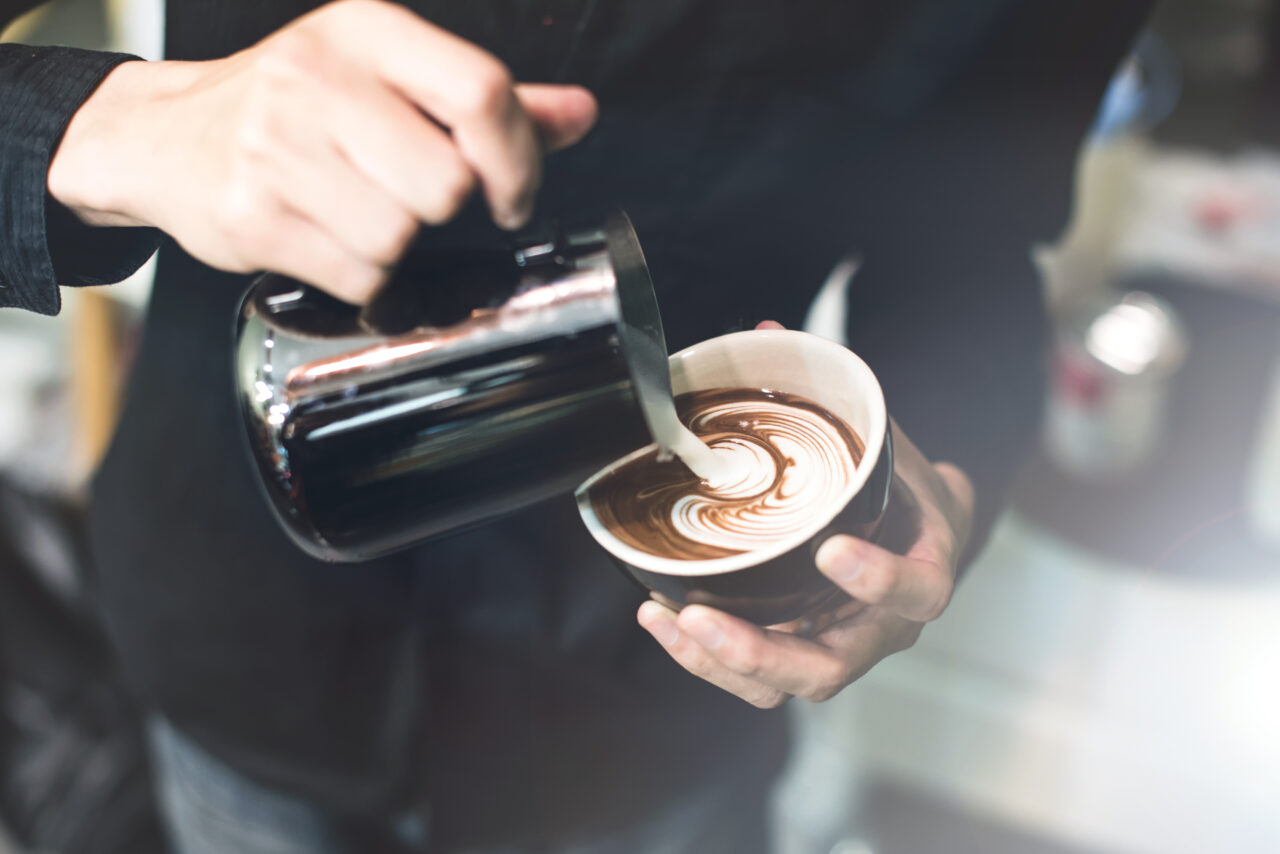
(839, 561)
(663, 628)
(519, 214)
(515, 219)
(705, 631)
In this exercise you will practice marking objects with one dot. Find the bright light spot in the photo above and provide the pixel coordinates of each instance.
(1127, 338)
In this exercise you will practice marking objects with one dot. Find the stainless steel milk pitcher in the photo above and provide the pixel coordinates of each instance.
(476, 383)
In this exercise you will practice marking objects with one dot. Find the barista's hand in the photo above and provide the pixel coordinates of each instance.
(894, 596)
(318, 151)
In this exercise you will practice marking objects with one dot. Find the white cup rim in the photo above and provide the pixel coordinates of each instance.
(873, 447)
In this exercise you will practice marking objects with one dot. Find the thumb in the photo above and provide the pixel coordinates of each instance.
(563, 114)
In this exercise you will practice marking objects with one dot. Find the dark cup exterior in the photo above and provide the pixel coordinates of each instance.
(789, 586)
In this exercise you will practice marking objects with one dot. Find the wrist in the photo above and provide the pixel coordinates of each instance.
(103, 166)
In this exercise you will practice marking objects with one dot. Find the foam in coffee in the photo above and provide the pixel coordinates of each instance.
(791, 458)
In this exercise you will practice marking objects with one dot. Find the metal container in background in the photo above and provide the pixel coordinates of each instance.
(1113, 361)
(478, 382)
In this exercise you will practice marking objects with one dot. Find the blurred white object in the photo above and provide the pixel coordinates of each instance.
(1083, 260)
(1143, 92)
(36, 427)
(816, 799)
(1090, 702)
(1264, 485)
(137, 27)
(1114, 358)
(852, 846)
(1214, 220)
(829, 310)
(30, 361)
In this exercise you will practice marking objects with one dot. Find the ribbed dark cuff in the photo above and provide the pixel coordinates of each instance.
(42, 244)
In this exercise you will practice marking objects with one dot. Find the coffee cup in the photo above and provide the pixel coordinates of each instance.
(778, 581)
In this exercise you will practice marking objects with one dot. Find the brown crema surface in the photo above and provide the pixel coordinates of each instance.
(642, 502)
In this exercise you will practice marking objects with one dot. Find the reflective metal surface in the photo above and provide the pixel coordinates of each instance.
(477, 383)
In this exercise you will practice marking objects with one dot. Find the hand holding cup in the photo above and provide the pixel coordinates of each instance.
(895, 587)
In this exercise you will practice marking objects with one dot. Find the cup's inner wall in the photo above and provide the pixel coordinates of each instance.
(783, 364)
(820, 370)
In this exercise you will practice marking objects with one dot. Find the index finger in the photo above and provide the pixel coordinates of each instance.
(467, 90)
(777, 659)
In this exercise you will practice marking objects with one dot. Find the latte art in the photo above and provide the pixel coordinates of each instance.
(789, 460)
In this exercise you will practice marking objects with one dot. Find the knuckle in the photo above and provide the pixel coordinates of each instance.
(948, 549)
(909, 639)
(685, 652)
(768, 699)
(824, 692)
(486, 91)
(904, 639)
(696, 663)
(291, 56)
(357, 283)
(941, 599)
(393, 239)
(880, 582)
(834, 682)
(332, 14)
(748, 657)
(454, 188)
(344, 8)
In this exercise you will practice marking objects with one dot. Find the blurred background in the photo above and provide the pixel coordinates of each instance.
(1107, 679)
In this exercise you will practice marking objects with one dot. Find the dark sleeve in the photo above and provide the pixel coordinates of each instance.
(947, 307)
(42, 244)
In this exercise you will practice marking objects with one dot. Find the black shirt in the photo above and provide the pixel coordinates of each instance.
(500, 673)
